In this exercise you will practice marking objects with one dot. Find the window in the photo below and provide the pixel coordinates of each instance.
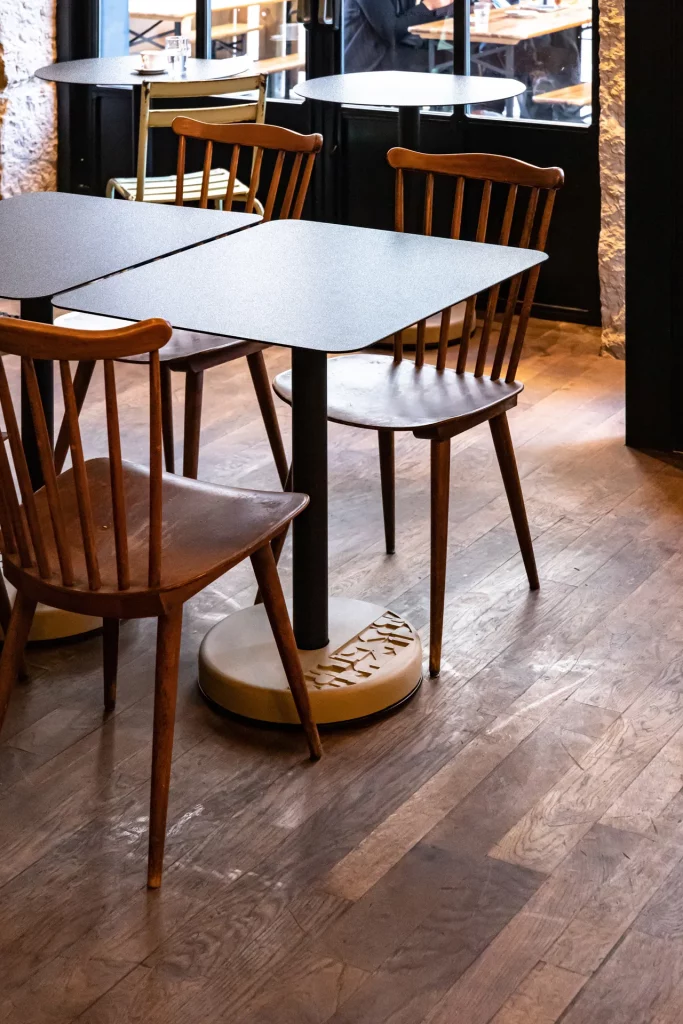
(546, 44)
(265, 31)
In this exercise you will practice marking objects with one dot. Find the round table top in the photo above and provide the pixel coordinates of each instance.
(121, 71)
(407, 89)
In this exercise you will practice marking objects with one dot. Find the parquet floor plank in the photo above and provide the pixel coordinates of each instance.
(508, 849)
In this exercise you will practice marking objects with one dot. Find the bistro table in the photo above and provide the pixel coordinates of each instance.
(116, 71)
(56, 240)
(322, 288)
(409, 91)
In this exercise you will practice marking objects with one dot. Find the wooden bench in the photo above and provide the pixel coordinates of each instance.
(222, 33)
(573, 95)
(271, 65)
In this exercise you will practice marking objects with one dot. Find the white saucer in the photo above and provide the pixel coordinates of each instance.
(150, 71)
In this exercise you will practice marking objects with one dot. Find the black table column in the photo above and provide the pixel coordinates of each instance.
(409, 138)
(39, 310)
(309, 464)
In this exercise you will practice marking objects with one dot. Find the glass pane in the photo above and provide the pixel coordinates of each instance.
(397, 35)
(150, 21)
(268, 33)
(546, 45)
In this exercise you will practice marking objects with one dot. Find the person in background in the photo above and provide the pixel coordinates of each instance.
(376, 36)
(543, 64)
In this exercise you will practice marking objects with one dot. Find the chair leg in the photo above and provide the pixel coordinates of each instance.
(110, 646)
(440, 475)
(276, 609)
(264, 394)
(82, 378)
(500, 431)
(5, 616)
(194, 387)
(13, 647)
(167, 418)
(387, 474)
(277, 543)
(169, 628)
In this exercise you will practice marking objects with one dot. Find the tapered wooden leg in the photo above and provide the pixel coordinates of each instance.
(82, 378)
(194, 387)
(440, 475)
(13, 647)
(5, 606)
(5, 615)
(110, 645)
(264, 394)
(277, 543)
(387, 473)
(167, 418)
(500, 431)
(276, 609)
(169, 628)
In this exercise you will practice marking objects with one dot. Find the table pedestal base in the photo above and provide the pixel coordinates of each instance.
(55, 624)
(372, 662)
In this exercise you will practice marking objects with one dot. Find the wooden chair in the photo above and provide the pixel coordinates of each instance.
(122, 541)
(192, 353)
(388, 394)
(164, 189)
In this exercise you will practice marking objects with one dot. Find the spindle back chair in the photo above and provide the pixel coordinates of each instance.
(390, 394)
(163, 189)
(542, 184)
(109, 538)
(192, 353)
(260, 139)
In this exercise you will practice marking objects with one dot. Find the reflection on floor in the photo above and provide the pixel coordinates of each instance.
(509, 847)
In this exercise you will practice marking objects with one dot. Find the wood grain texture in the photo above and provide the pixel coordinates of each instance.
(542, 997)
(361, 890)
(543, 837)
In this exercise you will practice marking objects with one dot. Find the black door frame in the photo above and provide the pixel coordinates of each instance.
(654, 211)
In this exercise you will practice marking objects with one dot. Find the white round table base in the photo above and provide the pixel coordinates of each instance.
(55, 624)
(372, 662)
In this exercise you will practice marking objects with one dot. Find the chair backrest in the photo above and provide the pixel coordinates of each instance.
(258, 138)
(24, 535)
(511, 175)
(253, 110)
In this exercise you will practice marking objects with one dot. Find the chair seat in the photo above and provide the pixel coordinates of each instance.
(208, 529)
(371, 390)
(162, 189)
(187, 350)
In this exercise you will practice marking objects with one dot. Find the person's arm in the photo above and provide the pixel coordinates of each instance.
(428, 10)
(390, 27)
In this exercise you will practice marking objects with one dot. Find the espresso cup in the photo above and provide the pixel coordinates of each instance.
(153, 60)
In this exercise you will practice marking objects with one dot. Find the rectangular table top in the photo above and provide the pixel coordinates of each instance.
(52, 241)
(509, 29)
(304, 284)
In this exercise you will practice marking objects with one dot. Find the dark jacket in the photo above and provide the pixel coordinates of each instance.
(376, 36)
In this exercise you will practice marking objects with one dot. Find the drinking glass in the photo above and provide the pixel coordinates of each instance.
(480, 15)
(177, 51)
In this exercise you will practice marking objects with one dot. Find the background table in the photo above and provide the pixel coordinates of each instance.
(55, 240)
(409, 91)
(322, 288)
(115, 71)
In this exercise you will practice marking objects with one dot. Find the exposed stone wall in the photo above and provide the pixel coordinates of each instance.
(612, 234)
(28, 107)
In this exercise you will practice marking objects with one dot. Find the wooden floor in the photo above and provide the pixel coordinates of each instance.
(508, 848)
